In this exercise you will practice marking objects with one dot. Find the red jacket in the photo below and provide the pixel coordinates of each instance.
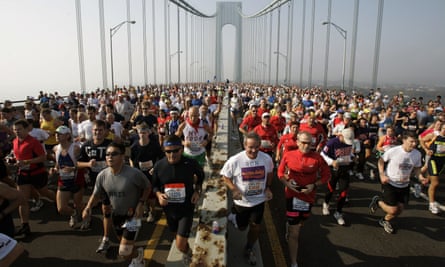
(279, 122)
(319, 136)
(267, 133)
(303, 169)
(251, 122)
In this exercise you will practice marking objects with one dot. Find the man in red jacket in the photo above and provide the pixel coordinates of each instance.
(268, 135)
(311, 126)
(298, 172)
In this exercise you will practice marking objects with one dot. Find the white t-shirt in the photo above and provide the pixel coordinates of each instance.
(7, 244)
(250, 176)
(400, 165)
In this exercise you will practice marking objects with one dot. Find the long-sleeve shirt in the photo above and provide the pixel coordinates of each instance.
(303, 169)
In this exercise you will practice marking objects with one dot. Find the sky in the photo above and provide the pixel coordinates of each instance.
(39, 48)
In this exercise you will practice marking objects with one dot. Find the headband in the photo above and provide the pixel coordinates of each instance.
(172, 143)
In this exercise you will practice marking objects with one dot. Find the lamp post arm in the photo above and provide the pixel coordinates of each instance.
(339, 29)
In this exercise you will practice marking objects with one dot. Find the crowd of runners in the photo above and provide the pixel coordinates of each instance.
(161, 138)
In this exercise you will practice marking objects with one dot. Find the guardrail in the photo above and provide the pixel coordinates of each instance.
(209, 247)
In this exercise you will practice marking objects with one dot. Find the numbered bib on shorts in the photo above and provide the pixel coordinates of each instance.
(300, 205)
(67, 175)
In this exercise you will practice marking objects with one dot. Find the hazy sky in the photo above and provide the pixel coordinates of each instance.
(38, 50)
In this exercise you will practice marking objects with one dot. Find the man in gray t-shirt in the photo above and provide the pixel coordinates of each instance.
(124, 191)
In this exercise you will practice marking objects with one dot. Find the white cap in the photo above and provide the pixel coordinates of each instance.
(348, 136)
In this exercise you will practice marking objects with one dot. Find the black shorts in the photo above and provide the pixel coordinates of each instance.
(118, 222)
(73, 188)
(179, 222)
(297, 211)
(392, 195)
(244, 215)
(38, 181)
(436, 166)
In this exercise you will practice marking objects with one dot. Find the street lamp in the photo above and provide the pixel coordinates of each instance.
(170, 66)
(112, 32)
(285, 57)
(343, 33)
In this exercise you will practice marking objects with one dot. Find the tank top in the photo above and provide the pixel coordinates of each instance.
(195, 137)
(68, 160)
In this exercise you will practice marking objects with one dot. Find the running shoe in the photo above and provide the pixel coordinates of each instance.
(23, 230)
(103, 246)
(417, 190)
(139, 260)
(73, 219)
(85, 225)
(251, 256)
(186, 259)
(325, 208)
(339, 217)
(150, 217)
(386, 225)
(38, 204)
(434, 208)
(373, 206)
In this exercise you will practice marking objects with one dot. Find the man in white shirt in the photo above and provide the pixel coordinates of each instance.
(249, 175)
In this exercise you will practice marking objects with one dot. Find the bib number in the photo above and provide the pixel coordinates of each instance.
(300, 205)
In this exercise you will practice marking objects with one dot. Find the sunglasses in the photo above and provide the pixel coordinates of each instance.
(305, 143)
(172, 151)
(112, 154)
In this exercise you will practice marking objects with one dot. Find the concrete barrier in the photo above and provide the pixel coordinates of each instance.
(209, 248)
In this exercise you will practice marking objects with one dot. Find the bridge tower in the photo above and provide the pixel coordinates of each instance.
(228, 13)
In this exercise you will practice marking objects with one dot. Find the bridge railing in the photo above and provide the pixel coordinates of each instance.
(210, 247)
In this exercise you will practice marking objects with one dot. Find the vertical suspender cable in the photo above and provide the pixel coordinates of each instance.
(353, 45)
(311, 53)
(154, 41)
(130, 64)
(270, 48)
(378, 37)
(144, 35)
(303, 26)
(103, 51)
(328, 39)
(80, 47)
(278, 45)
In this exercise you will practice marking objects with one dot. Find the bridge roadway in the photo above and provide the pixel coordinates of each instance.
(418, 241)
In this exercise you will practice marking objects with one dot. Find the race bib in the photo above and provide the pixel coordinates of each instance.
(175, 192)
(440, 149)
(300, 205)
(254, 188)
(100, 165)
(266, 144)
(344, 160)
(67, 175)
(146, 165)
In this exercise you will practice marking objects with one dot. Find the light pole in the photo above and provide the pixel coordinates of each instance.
(285, 58)
(170, 66)
(343, 33)
(112, 32)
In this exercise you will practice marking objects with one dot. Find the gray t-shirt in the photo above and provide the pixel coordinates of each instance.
(123, 189)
